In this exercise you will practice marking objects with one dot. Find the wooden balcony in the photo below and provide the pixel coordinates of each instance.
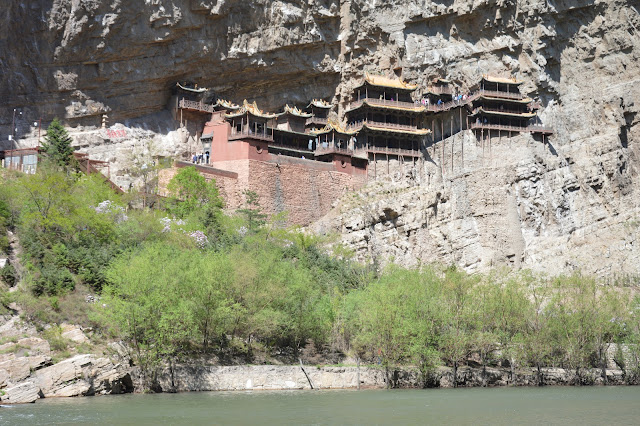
(377, 124)
(317, 120)
(501, 110)
(384, 103)
(235, 135)
(394, 151)
(333, 150)
(500, 94)
(195, 106)
(534, 128)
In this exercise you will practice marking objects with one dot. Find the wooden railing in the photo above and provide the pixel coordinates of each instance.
(534, 128)
(500, 94)
(198, 106)
(250, 134)
(384, 102)
(394, 151)
(317, 120)
(88, 166)
(291, 148)
(358, 125)
(500, 110)
(333, 150)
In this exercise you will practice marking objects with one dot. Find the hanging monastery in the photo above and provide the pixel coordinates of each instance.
(302, 160)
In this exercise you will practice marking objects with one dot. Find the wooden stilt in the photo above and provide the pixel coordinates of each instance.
(453, 139)
(442, 136)
(482, 142)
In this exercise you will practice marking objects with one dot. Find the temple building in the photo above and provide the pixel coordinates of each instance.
(386, 119)
(289, 133)
(500, 106)
(319, 110)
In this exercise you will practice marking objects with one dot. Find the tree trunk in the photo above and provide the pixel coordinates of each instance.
(511, 372)
(386, 375)
(455, 374)
(539, 375)
(603, 365)
(484, 374)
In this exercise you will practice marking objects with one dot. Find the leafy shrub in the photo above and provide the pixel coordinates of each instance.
(53, 280)
(8, 274)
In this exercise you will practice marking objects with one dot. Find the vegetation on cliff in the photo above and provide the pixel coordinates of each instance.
(189, 279)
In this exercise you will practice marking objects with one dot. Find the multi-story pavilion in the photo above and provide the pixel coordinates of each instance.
(499, 105)
(386, 118)
(289, 133)
(319, 110)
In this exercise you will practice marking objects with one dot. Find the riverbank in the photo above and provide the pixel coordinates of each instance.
(184, 378)
(87, 375)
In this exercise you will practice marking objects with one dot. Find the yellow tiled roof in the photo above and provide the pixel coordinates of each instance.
(228, 104)
(320, 103)
(416, 108)
(493, 79)
(378, 80)
(251, 108)
(333, 125)
(295, 111)
(420, 132)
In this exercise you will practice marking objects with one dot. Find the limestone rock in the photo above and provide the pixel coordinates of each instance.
(17, 368)
(83, 375)
(21, 393)
(73, 333)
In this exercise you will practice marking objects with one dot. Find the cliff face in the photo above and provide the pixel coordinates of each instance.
(573, 203)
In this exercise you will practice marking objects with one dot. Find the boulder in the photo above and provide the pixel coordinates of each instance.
(21, 393)
(17, 368)
(73, 333)
(83, 375)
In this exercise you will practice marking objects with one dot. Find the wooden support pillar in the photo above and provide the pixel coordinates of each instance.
(452, 144)
(482, 141)
(442, 139)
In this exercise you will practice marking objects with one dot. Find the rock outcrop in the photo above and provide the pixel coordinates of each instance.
(569, 204)
(27, 372)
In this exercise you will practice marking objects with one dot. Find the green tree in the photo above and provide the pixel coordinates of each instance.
(192, 194)
(252, 210)
(57, 145)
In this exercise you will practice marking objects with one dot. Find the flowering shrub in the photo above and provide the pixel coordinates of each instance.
(109, 207)
(242, 231)
(200, 238)
(167, 221)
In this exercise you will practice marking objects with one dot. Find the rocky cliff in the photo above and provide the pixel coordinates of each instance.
(569, 204)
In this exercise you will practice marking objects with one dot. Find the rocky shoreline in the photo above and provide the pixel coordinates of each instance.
(88, 375)
(277, 377)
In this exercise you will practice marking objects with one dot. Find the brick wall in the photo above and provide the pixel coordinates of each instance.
(305, 189)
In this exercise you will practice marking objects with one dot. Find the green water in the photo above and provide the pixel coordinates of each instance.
(499, 406)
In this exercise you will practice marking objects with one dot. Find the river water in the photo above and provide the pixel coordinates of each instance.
(496, 406)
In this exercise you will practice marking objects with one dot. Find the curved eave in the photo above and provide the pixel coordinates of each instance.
(319, 105)
(244, 112)
(416, 109)
(293, 114)
(202, 90)
(330, 129)
(501, 80)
